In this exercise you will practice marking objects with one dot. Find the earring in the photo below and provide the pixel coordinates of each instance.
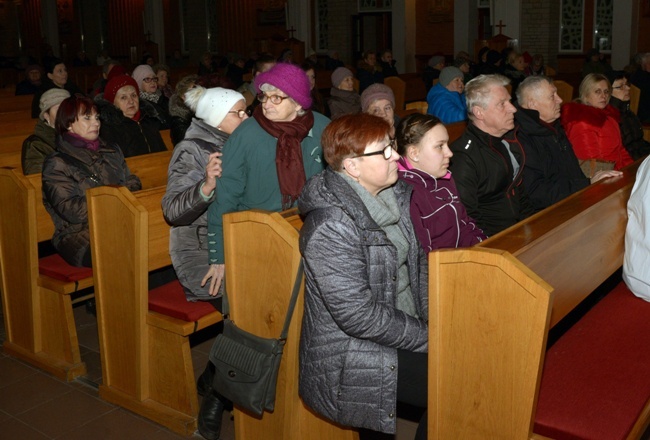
(415, 159)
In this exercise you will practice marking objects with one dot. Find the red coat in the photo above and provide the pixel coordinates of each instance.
(594, 133)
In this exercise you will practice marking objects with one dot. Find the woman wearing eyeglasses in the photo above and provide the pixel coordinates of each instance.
(364, 340)
(147, 81)
(629, 124)
(267, 161)
(592, 126)
(129, 122)
(379, 100)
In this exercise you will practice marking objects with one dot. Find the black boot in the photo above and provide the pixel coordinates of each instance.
(204, 383)
(210, 415)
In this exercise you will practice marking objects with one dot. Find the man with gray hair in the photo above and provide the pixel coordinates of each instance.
(488, 159)
(552, 170)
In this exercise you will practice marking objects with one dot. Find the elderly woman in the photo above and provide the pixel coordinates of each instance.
(369, 71)
(267, 161)
(446, 99)
(364, 338)
(42, 143)
(162, 73)
(82, 161)
(180, 114)
(317, 101)
(343, 100)
(439, 218)
(379, 100)
(631, 127)
(147, 82)
(131, 123)
(56, 77)
(592, 125)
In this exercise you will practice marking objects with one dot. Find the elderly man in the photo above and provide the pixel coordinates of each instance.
(552, 171)
(488, 159)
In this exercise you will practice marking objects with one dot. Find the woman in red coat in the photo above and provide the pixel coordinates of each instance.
(592, 124)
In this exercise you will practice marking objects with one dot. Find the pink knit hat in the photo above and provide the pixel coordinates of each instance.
(289, 78)
(375, 92)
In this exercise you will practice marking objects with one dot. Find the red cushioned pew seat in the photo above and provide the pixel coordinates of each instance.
(54, 266)
(169, 299)
(596, 378)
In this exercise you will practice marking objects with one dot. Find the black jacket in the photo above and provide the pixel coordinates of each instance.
(133, 137)
(487, 184)
(552, 170)
(631, 130)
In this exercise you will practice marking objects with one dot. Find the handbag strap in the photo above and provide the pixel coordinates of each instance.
(292, 303)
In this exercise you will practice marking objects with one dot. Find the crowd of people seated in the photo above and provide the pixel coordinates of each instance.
(375, 190)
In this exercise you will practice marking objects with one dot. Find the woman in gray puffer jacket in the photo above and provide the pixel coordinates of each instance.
(364, 338)
(191, 182)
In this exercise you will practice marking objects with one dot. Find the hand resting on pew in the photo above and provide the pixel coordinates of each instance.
(605, 174)
(215, 275)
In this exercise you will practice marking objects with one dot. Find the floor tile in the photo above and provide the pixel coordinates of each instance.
(118, 424)
(29, 392)
(88, 337)
(93, 365)
(15, 429)
(65, 412)
(13, 370)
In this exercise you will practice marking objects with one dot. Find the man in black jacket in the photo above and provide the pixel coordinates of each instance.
(488, 159)
(552, 170)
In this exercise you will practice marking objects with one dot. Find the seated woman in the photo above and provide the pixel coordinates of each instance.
(162, 73)
(343, 100)
(128, 121)
(439, 218)
(379, 100)
(56, 77)
(446, 99)
(42, 143)
(630, 125)
(82, 161)
(364, 340)
(147, 82)
(592, 125)
(192, 181)
(317, 101)
(368, 71)
(180, 114)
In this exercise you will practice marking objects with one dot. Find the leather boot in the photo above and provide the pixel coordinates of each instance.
(210, 416)
(204, 382)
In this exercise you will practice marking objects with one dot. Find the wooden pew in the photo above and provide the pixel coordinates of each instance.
(266, 244)
(21, 127)
(456, 130)
(16, 115)
(13, 103)
(491, 308)
(37, 293)
(167, 138)
(12, 144)
(144, 343)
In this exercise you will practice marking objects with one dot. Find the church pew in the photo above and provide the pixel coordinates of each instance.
(37, 293)
(22, 127)
(167, 138)
(13, 103)
(144, 335)
(266, 244)
(16, 115)
(12, 143)
(490, 310)
(11, 160)
(455, 130)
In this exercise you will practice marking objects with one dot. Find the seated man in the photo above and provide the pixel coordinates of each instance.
(552, 171)
(488, 159)
(446, 99)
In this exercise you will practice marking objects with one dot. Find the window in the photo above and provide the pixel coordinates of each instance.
(603, 20)
(571, 25)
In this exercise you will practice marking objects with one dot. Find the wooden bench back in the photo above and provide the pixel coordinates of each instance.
(14, 103)
(21, 127)
(12, 143)
(16, 115)
(266, 244)
(398, 86)
(456, 130)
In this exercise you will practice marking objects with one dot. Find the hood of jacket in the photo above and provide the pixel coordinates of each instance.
(578, 112)
(199, 129)
(178, 108)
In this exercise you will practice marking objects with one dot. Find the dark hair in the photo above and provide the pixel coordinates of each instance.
(261, 61)
(70, 109)
(52, 63)
(349, 135)
(412, 129)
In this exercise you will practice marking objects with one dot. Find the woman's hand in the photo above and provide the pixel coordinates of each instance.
(600, 175)
(215, 275)
(212, 172)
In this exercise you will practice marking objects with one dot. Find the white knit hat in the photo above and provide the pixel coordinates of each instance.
(211, 105)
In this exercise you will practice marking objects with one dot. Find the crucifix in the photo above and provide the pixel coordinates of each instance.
(500, 26)
(291, 30)
(147, 36)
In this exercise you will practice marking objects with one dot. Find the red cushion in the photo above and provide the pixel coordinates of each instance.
(169, 299)
(595, 380)
(55, 267)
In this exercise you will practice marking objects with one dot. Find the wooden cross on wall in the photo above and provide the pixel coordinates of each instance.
(291, 30)
(500, 26)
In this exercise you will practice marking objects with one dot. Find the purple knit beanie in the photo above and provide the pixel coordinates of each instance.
(289, 78)
(339, 75)
(374, 93)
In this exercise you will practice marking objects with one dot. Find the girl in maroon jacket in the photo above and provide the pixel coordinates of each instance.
(439, 218)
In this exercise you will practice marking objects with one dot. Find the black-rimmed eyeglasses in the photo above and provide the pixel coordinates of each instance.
(241, 113)
(148, 80)
(621, 86)
(387, 151)
(275, 99)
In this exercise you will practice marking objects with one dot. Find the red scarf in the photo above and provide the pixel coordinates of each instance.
(288, 155)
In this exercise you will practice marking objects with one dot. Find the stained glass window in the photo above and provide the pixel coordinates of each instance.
(603, 20)
(571, 24)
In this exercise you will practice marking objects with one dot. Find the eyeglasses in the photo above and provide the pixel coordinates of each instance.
(387, 151)
(275, 99)
(621, 86)
(148, 80)
(241, 113)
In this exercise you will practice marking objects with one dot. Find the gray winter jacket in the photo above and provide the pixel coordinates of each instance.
(351, 328)
(186, 209)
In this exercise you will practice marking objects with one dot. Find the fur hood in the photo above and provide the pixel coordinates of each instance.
(573, 112)
(178, 108)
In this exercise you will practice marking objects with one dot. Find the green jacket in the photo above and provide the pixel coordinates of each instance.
(250, 180)
(37, 147)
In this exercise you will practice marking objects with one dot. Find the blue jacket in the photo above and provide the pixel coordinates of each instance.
(447, 106)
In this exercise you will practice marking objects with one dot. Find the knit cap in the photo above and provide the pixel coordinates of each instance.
(448, 74)
(116, 84)
(51, 98)
(211, 105)
(141, 72)
(374, 93)
(339, 74)
(435, 60)
(289, 78)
